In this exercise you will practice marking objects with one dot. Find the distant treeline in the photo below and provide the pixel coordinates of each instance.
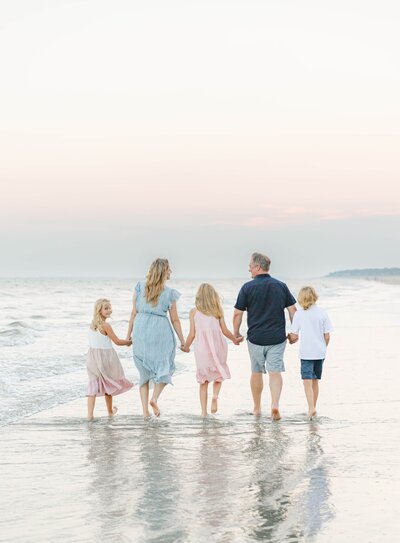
(367, 272)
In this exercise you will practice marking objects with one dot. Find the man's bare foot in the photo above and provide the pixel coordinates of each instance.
(214, 405)
(155, 408)
(312, 414)
(275, 414)
(257, 412)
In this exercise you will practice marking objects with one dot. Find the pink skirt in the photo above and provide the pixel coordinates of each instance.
(106, 374)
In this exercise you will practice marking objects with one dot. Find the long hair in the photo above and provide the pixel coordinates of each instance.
(208, 301)
(98, 320)
(155, 280)
(307, 297)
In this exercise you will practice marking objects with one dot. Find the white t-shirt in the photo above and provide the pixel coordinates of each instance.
(312, 324)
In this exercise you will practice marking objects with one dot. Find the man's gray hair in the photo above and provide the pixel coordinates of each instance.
(261, 260)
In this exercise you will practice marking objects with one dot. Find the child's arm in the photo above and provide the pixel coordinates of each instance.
(192, 332)
(111, 334)
(176, 323)
(327, 338)
(132, 319)
(292, 338)
(237, 340)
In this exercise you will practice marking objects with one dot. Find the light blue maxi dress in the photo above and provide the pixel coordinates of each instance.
(153, 338)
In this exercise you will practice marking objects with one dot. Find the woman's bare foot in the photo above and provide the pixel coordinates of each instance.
(214, 405)
(155, 408)
(275, 413)
(311, 414)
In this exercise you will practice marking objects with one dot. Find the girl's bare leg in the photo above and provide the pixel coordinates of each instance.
(91, 400)
(308, 389)
(144, 397)
(203, 398)
(109, 403)
(315, 387)
(214, 402)
(158, 388)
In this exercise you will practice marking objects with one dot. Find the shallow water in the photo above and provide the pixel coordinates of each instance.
(230, 478)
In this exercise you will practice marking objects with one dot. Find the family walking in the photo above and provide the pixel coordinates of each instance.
(155, 322)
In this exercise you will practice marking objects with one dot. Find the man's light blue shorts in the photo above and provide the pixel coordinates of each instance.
(266, 357)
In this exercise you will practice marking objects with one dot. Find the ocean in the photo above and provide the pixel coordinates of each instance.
(229, 478)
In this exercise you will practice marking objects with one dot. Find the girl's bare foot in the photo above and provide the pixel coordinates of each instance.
(155, 408)
(275, 414)
(113, 412)
(257, 412)
(214, 405)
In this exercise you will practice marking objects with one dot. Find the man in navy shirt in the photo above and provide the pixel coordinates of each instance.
(265, 299)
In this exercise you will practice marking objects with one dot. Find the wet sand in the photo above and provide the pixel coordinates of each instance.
(229, 478)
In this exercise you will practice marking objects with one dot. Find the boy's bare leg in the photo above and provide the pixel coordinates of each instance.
(144, 397)
(158, 388)
(315, 387)
(214, 402)
(308, 389)
(257, 385)
(203, 398)
(275, 386)
(91, 400)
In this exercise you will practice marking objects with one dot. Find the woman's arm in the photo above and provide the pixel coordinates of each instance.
(111, 334)
(192, 332)
(227, 333)
(132, 319)
(176, 323)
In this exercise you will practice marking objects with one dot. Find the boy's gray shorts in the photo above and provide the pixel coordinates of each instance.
(266, 357)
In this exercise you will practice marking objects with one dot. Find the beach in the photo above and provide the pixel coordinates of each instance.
(181, 478)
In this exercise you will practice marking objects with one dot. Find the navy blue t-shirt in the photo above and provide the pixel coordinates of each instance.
(265, 299)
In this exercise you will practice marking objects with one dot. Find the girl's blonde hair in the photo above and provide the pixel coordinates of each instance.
(208, 301)
(155, 280)
(98, 320)
(307, 297)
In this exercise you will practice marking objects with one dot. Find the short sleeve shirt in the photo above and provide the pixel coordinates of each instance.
(265, 299)
(311, 324)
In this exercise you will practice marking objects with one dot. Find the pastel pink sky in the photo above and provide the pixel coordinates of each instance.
(236, 117)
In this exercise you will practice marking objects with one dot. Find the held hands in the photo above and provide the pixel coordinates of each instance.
(238, 340)
(184, 349)
(128, 342)
(292, 338)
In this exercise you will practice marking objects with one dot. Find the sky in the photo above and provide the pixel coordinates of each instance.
(200, 132)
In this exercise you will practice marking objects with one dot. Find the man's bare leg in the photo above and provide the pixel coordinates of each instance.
(275, 386)
(308, 389)
(257, 385)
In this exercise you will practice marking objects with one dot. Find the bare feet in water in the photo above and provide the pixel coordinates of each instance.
(214, 405)
(275, 413)
(155, 408)
(257, 412)
(312, 414)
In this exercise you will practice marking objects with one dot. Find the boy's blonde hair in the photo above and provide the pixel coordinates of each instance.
(307, 297)
(208, 301)
(155, 281)
(98, 320)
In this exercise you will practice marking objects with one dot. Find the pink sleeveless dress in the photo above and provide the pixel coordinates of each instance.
(210, 349)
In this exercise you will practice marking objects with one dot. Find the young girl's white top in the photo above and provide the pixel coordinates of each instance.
(311, 324)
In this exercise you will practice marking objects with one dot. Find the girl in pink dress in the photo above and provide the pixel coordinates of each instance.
(208, 328)
(105, 372)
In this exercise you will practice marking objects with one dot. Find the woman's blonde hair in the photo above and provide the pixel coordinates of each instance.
(155, 280)
(208, 301)
(307, 297)
(98, 320)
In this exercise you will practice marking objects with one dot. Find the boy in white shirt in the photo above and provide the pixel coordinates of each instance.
(314, 327)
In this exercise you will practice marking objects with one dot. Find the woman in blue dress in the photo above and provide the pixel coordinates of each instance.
(154, 342)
